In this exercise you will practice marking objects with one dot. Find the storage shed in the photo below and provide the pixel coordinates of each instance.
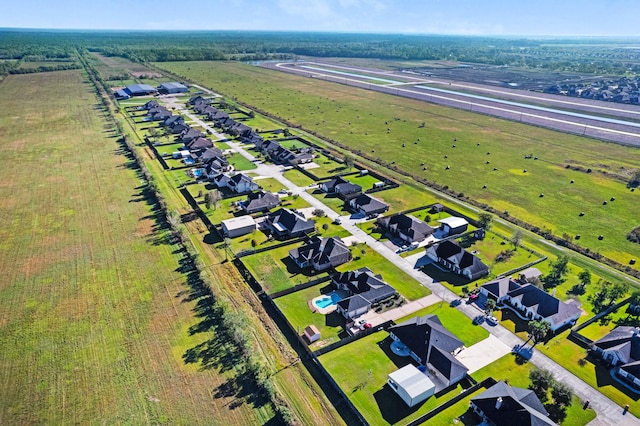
(238, 226)
(453, 225)
(311, 333)
(412, 385)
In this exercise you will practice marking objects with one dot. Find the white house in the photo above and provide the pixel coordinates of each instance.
(453, 257)
(532, 303)
(411, 385)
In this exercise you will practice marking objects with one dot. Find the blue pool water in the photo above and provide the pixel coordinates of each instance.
(328, 300)
(197, 172)
(189, 161)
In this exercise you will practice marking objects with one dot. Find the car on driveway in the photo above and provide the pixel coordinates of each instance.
(492, 320)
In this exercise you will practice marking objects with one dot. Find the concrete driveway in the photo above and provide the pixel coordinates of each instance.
(483, 353)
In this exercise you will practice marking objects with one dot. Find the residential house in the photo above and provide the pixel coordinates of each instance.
(285, 223)
(238, 226)
(240, 129)
(455, 258)
(504, 405)
(189, 134)
(252, 138)
(367, 206)
(173, 120)
(364, 288)
(531, 302)
(621, 349)
(210, 154)
(218, 115)
(339, 185)
(239, 183)
(260, 202)
(406, 227)
(150, 105)
(453, 225)
(198, 144)
(196, 99)
(321, 254)
(430, 344)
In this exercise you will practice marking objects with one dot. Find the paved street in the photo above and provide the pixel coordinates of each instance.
(608, 412)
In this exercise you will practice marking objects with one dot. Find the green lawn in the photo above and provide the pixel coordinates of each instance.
(95, 316)
(361, 369)
(240, 163)
(296, 309)
(454, 320)
(378, 125)
(298, 178)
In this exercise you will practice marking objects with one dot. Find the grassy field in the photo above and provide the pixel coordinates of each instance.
(95, 316)
(379, 125)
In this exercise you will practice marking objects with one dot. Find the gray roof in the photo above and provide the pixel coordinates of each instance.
(353, 303)
(287, 222)
(369, 205)
(625, 340)
(258, 201)
(174, 86)
(322, 251)
(501, 287)
(414, 228)
(518, 406)
(421, 333)
(139, 89)
(544, 304)
(365, 283)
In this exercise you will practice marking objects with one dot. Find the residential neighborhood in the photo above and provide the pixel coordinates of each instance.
(341, 263)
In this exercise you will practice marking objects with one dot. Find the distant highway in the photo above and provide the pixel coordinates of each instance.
(610, 122)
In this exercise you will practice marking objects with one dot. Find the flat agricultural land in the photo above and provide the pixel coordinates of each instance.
(486, 156)
(94, 317)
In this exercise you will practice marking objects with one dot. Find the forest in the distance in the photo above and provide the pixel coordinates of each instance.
(581, 55)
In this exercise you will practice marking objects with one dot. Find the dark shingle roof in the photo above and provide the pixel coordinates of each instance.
(257, 201)
(369, 205)
(353, 303)
(500, 287)
(544, 304)
(419, 333)
(416, 229)
(322, 251)
(625, 340)
(518, 406)
(290, 222)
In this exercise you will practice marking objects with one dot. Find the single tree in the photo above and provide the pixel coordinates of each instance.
(516, 239)
(325, 226)
(538, 331)
(485, 220)
(212, 199)
(541, 380)
(585, 278)
(489, 306)
(616, 291)
(561, 394)
(348, 161)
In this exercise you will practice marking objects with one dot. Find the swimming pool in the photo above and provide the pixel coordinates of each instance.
(328, 300)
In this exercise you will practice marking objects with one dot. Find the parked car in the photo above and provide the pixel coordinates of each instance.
(479, 319)
(492, 320)
(337, 221)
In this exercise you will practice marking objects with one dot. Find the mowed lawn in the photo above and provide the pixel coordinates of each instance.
(481, 157)
(94, 317)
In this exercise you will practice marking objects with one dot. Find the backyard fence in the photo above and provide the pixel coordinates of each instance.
(486, 383)
(357, 336)
(585, 342)
(299, 287)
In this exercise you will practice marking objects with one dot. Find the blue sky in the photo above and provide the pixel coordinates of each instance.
(468, 17)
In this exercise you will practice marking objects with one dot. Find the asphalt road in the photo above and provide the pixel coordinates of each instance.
(560, 116)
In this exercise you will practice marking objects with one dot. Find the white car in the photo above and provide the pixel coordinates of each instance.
(492, 320)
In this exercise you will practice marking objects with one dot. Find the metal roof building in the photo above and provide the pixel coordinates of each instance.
(139, 89)
(173, 88)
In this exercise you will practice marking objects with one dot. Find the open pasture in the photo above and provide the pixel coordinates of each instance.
(95, 314)
(486, 157)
